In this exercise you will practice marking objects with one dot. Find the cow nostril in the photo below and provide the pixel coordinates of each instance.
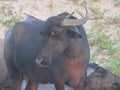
(41, 62)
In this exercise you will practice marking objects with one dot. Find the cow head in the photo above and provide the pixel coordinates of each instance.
(60, 33)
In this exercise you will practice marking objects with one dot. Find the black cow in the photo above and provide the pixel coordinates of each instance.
(55, 50)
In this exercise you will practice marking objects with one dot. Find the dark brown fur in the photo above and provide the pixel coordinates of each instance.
(102, 79)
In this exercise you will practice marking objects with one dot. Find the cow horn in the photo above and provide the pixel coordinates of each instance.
(75, 22)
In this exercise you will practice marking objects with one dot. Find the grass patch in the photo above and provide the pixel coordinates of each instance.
(117, 3)
(94, 0)
(113, 20)
(97, 13)
(113, 64)
(78, 2)
(105, 53)
(9, 22)
(104, 42)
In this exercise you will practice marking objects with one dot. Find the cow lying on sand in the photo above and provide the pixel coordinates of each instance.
(101, 79)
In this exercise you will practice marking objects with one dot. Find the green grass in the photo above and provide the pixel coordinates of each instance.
(102, 42)
(92, 1)
(9, 22)
(79, 2)
(84, 1)
(96, 11)
(117, 3)
(113, 20)
(113, 64)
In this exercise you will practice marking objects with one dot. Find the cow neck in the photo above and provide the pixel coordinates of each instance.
(74, 52)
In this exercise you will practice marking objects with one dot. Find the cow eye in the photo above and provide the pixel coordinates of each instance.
(53, 33)
(56, 31)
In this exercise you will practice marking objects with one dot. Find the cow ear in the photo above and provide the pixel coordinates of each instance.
(74, 33)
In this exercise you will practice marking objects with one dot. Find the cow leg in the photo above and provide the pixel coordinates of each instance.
(59, 82)
(32, 85)
(15, 77)
(16, 81)
(80, 86)
(59, 86)
(58, 78)
(5, 88)
(19, 83)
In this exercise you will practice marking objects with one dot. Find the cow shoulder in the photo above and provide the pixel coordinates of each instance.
(20, 29)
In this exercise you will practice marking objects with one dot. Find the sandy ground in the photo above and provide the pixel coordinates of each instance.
(51, 87)
(46, 87)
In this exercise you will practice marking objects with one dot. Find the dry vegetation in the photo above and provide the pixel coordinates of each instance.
(103, 28)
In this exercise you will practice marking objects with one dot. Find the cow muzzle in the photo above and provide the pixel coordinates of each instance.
(42, 62)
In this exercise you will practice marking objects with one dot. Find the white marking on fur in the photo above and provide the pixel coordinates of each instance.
(90, 71)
